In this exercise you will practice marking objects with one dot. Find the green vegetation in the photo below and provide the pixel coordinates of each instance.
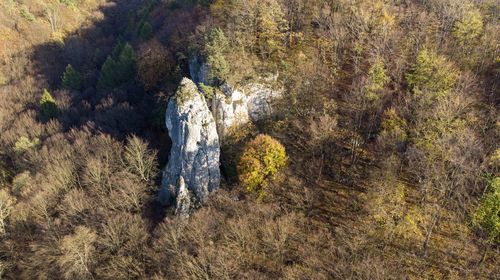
(48, 105)
(469, 28)
(261, 159)
(377, 80)
(71, 79)
(24, 144)
(68, 2)
(216, 46)
(26, 14)
(487, 215)
(145, 31)
(119, 68)
(208, 91)
(431, 75)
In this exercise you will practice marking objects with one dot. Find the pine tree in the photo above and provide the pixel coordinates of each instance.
(216, 46)
(71, 79)
(145, 31)
(118, 49)
(108, 77)
(118, 68)
(126, 64)
(48, 105)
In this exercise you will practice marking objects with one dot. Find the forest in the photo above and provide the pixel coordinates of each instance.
(380, 159)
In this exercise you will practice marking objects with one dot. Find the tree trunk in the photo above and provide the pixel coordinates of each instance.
(435, 218)
(485, 253)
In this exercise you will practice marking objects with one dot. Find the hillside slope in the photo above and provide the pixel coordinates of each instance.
(389, 119)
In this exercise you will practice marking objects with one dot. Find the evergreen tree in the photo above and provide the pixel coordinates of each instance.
(216, 46)
(118, 49)
(48, 105)
(71, 79)
(118, 68)
(145, 31)
(108, 78)
(126, 64)
(469, 28)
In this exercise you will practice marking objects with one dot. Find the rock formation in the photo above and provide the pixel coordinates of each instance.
(230, 109)
(193, 170)
(235, 107)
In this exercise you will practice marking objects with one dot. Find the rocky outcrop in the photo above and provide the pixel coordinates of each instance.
(230, 109)
(235, 107)
(260, 99)
(193, 170)
(199, 71)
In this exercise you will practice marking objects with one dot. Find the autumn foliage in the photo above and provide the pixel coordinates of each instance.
(261, 159)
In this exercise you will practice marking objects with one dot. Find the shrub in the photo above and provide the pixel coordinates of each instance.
(469, 28)
(24, 144)
(487, 214)
(48, 105)
(6, 206)
(71, 79)
(262, 158)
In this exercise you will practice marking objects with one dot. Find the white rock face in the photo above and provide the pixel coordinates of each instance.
(229, 109)
(193, 170)
(183, 201)
(233, 107)
(260, 100)
(237, 106)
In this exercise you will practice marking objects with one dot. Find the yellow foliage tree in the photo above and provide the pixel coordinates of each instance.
(262, 158)
(469, 28)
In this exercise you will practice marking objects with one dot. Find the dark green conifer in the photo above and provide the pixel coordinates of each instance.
(71, 79)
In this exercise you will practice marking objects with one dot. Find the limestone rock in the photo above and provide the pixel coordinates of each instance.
(193, 165)
(199, 72)
(230, 109)
(183, 202)
(234, 107)
(260, 99)
(237, 106)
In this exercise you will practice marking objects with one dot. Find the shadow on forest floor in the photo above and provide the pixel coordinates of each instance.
(126, 109)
